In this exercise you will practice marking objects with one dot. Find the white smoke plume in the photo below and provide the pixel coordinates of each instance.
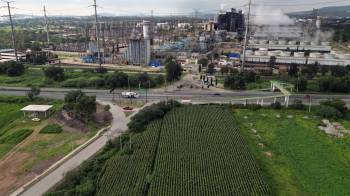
(270, 16)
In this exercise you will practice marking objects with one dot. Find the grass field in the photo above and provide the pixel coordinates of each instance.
(302, 159)
(8, 114)
(192, 151)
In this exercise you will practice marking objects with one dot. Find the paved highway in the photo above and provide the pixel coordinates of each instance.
(195, 95)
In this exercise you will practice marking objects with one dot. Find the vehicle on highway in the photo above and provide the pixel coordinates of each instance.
(130, 95)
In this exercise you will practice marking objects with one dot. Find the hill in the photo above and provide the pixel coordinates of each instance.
(334, 11)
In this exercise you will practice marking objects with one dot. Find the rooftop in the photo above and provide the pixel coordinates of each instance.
(37, 108)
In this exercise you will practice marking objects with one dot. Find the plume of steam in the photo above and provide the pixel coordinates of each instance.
(271, 16)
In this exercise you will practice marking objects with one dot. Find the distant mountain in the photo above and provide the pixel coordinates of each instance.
(335, 11)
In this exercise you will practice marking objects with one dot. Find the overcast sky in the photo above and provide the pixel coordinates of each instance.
(160, 7)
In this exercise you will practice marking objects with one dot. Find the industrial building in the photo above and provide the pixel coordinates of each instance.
(139, 47)
(9, 55)
(232, 21)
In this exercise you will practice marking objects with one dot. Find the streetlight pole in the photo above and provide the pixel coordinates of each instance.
(97, 35)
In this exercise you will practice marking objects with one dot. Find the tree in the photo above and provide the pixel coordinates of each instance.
(293, 70)
(12, 68)
(272, 62)
(234, 82)
(80, 105)
(339, 71)
(301, 84)
(311, 70)
(173, 71)
(55, 73)
(338, 104)
(203, 61)
(324, 70)
(250, 76)
(33, 92)
(211, 69)
(117, 80)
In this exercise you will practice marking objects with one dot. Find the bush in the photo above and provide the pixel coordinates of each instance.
(276, 106)
(140, 121)
(97, 82)
(328, 112)
(54, 128)
(253, 107)
(75, 83)
(12, 68)
(101, 70)
(16, 137)
(337, 104)
(298, 105)
(55, 73)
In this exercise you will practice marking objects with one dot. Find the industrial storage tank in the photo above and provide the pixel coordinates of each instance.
(315, 55)
(273, 53)
(251, 41)
(329, 56)
(344, 56)
(286, 54)
(260, 53)
(299, 54)
(282, 42)
(292, 42)
(249, 52)
(304, 43)
(272, 42)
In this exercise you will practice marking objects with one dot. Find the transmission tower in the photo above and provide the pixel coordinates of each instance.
(97, 35)
(12, 28)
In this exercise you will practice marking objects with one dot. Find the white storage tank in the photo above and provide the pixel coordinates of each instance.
(260, 53)
(304, 43)
(273, 53)
(249, 52)
(299, 54)
(344, 56)
(272, 42)
(282, 42)
(286, 54)
(315, 55)
(251, 41)
(292, 42)
(329, 56)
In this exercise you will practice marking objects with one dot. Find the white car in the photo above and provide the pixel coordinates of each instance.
(130, 95)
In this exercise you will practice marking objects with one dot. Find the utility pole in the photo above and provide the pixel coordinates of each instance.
(246, 36)
(97, 35)
(47, 27)
(12, 29)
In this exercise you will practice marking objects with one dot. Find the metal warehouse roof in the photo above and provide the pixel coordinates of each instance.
(37, 108)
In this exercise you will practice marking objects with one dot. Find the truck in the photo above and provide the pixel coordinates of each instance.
(130, 95)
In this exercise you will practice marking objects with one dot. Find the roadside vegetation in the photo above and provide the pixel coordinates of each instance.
(69, 78)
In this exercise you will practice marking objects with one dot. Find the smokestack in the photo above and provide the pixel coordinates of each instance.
(146, 29)
(318, 22)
